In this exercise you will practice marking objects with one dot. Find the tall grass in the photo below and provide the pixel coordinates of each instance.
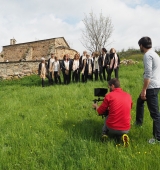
(55, 128)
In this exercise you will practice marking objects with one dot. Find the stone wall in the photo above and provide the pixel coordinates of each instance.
(61, 51)
(1, 57)
(36, 50)
(15, 70)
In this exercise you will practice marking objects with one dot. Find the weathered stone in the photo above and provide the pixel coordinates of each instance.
(17, 64)
(7, 70)
(21, 74)
(33, 51)
(4, 77)
(16, 69)
(9, 78)
(16, 73)
(1, 59)
(28, 74)
(10, 72)
(15, 77)
(27, 71)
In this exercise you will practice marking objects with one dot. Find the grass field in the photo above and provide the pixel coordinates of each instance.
(55, 128)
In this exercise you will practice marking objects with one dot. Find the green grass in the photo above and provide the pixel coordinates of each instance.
(55, 128)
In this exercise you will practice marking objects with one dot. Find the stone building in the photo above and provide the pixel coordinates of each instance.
(32, 51)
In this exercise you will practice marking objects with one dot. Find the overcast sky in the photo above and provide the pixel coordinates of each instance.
(31, 20)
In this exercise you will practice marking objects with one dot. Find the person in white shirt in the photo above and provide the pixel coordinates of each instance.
(66, 69)
(76, 69)
(50, 62)
(56, 70)
(150, 88)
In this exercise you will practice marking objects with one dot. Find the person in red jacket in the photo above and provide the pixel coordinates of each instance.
(118, 104)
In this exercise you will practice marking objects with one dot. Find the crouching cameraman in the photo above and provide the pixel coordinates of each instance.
(119, 104)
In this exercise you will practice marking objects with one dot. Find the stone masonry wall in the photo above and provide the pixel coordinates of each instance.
(20, 51)
(60, 52)
(15, 70)
(36, 50)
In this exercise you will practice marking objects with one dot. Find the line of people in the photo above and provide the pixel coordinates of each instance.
(81, 68)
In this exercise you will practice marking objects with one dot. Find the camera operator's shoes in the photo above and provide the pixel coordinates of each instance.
(125, 140)
(104, 138)
(153, 141)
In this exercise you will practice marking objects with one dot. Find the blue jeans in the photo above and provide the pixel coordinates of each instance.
(152, 103)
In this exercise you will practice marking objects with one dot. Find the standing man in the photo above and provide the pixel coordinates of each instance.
(118, 104)
(50, 62)
(71, 63)
(81, 64)
(106, 62)
(150, 89)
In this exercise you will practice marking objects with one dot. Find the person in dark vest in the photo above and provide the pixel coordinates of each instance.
(81, 63)
(105, 62)
(66, 69)
(97, 66)
(87, 68)
(71, 63)
(114, 64)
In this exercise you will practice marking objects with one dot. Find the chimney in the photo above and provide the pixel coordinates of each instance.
(12, 41)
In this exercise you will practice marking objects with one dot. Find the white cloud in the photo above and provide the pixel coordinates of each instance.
(39, 19)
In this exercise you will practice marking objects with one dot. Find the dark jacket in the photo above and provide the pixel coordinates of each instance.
(80, 63)
(112, 56)
(107, 59)
(86, 65)
(100, 63)
(63, 65)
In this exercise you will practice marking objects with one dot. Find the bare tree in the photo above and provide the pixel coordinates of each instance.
(97, 32)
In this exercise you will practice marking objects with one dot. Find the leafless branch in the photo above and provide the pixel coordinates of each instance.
(97, 32)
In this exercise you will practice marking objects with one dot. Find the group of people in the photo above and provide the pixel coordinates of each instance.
(81, 68)
(118, 103)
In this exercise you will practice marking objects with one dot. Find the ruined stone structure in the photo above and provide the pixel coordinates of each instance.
(32, 51)
(18, 69)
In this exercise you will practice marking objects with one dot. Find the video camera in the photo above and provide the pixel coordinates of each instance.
(100, 92)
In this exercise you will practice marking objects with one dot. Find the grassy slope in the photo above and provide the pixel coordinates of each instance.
(56, 128)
